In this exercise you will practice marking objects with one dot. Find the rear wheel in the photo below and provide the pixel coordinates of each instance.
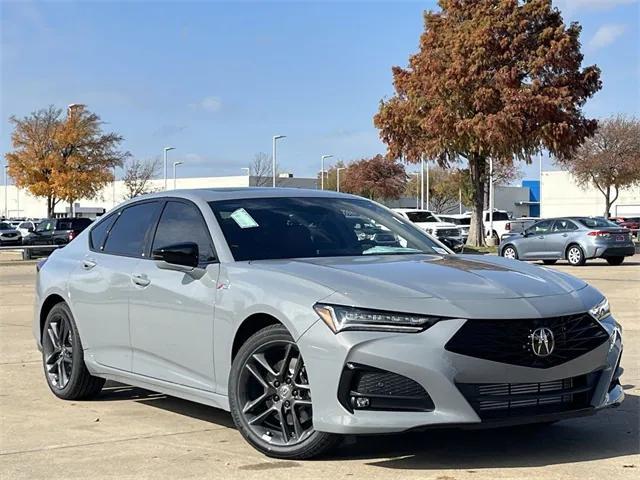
(62, 357)
(510, 252)
(575, 256)
(615, 260)
(549, 262)
(270, 397)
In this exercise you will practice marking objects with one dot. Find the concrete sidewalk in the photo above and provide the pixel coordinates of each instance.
(133, 433)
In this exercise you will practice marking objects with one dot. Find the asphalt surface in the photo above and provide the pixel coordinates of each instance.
(133, 433)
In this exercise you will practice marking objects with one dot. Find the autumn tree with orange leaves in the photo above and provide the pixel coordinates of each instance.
(497, 79)
(63, 158)
(377, 178)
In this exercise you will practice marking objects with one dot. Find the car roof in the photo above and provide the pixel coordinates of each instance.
(213, 194)
(410, 210)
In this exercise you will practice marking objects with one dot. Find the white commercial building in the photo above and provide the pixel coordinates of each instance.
(562, 196)
(19, 203)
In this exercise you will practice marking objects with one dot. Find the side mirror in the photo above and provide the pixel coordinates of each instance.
(30, 229)
(179, 256)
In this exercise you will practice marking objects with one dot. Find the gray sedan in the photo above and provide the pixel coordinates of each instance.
(575, 239)
(267, 303)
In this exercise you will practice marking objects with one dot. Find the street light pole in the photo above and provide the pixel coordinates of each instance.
(175, 164)
(166, 149)
(114, 186)
(428, 179)
(6, 191)
(417, 174)
(422, 181)
(338, 177)
(273, 158)
(491, 199)
(322, 170)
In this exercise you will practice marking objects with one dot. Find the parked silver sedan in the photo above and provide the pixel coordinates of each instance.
(575, 239)
(267, 303)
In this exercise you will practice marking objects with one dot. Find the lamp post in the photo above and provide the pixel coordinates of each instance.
(6, 191)
(166, 149)
(114, 186)
(273, 158)
(417, 174)
(338, 177)
(175, 164)
(491, 199)
(422, 181)
(322, 170)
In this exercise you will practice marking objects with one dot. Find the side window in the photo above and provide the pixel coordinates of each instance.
(181, 222)
(45, 226)
(127, 235)
(98, 234)
(563, 226)
(541, 227)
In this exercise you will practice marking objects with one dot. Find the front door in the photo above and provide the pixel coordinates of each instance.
(534, 246)
(558, 237)
(172, 312)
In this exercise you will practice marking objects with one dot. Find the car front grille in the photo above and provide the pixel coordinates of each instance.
(510, 341)
(504, 400)
(448, 232)
(9, 235)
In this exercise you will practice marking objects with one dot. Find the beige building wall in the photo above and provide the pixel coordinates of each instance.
(19, 203)
(561, 196)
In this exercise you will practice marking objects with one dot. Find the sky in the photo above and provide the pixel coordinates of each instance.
(216, 80)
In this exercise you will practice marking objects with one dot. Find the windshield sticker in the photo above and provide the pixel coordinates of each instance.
(243, 219)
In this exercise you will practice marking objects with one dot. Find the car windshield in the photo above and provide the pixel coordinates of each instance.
(5, 226)
(499, 216)
(456, 220)
(421, 217)
(303, 227)
(596, 223)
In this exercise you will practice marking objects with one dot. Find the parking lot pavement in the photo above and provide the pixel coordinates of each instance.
(133, 433)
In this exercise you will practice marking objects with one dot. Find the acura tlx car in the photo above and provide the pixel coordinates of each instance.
(265, 302)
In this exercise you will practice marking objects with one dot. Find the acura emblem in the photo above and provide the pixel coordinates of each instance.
(542, 342)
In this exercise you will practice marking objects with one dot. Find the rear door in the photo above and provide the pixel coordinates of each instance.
(172, 312)
(557, 239)
(101, 286)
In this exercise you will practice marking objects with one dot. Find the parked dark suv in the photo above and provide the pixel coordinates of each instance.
(54, 231)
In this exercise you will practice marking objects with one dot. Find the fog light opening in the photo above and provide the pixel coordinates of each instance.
(360, 402)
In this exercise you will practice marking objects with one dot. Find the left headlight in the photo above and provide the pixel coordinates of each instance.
(601, 310)
(340, 318)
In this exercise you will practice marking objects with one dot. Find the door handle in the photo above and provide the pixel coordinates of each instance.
(140, 279)
(565, 234)
(541, 237)
(88, 264)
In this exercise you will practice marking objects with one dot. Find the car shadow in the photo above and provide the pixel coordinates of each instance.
(611, 433)
(114, 391)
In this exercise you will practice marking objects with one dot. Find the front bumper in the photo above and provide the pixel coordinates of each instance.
(423, 359)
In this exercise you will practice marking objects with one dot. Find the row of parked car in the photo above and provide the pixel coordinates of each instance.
(35, 232)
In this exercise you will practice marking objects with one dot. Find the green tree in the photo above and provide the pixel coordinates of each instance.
(497, 79)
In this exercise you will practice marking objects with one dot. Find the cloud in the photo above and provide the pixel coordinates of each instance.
(169, 130)
(574, 5)
(209, 104)
(606, 35)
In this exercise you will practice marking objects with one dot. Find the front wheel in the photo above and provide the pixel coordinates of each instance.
(510, 252)
(270, 397)
(615, 260)
(62, 357)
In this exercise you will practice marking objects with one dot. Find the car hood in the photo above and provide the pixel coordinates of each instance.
(449, 277)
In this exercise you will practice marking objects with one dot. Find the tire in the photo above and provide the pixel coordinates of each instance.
(63, 359)
(268, 384)
(549, 262)
(575, 256)
(509, 251)
(615, 260)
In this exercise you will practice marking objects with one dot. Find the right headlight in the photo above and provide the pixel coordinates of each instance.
(601, 310)
(340, 318)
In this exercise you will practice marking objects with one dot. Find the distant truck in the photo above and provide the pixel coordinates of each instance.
(501, 223)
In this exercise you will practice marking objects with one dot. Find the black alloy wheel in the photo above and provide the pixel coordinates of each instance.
(270, 397)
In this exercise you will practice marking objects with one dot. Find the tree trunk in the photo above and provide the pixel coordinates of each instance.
(477, 165)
